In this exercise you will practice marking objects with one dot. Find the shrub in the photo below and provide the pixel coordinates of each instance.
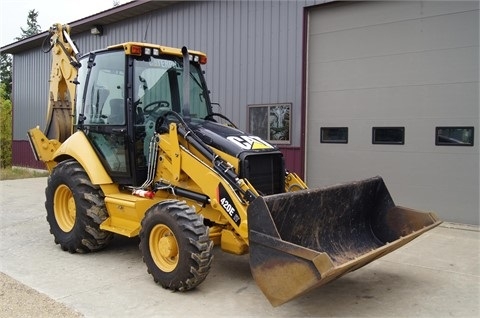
(5, 129)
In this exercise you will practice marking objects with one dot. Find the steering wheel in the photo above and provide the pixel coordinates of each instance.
(156, 107)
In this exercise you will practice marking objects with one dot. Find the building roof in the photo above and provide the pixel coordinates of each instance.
(115, 14)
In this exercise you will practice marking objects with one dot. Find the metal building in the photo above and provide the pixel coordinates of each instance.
(363, 88)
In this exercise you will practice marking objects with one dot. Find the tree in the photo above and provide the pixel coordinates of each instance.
(6, 90)
(6, 74)
(5, 129)
(32, 26)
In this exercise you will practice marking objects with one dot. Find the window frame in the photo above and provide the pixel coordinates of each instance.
(260, 122)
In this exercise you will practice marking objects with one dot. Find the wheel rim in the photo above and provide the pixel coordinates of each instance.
(164, 248)
(64, 208)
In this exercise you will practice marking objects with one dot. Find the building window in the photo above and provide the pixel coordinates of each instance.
(454, 136)
(388, 135)
(334, 135)
(271, 122)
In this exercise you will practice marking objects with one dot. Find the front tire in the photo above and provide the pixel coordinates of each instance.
(175, 245)
(75, 209)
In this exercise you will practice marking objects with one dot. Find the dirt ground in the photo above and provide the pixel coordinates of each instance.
(18, 300)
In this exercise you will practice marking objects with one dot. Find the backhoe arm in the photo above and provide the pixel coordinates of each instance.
(61, 97)
(62, 83)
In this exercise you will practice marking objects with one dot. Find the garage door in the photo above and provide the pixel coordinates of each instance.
(393, 90)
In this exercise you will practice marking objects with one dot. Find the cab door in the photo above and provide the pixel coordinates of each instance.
(102, 112)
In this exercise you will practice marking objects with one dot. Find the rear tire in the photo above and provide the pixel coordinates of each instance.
(75, 209)
(175, 245)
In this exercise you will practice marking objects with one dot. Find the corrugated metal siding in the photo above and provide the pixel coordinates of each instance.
(254, 53)
(31, 72)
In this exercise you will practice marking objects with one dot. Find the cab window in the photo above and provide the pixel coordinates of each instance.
(104, 102)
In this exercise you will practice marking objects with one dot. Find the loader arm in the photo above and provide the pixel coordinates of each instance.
(218, 185)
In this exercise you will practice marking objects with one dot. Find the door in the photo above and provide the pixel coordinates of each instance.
(384, 79)
(103, 110)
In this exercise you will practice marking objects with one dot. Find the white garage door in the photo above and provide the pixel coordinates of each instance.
(393, 90)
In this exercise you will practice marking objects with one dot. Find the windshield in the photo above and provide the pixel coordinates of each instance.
(158, 87)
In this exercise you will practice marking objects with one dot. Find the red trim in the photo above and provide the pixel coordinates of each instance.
(22, 155)
(304, 94)
(293, 159)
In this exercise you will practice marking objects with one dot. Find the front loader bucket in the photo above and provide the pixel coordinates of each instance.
(304, 239)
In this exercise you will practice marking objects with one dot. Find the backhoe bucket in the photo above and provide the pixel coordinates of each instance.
(304, 239)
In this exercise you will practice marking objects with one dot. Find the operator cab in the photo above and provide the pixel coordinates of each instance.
(122, 91)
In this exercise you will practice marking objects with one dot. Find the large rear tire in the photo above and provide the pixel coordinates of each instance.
(175, 245)
(75, 209)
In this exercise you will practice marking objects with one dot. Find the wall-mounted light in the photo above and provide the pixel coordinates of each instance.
(96, 30)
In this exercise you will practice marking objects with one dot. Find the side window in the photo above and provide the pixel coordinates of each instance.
(334, 135)
(388, 135)
(104, 99)
(454, 136)
(198, 106)
(197, 103)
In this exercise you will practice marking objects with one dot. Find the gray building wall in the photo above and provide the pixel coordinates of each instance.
(31, 73)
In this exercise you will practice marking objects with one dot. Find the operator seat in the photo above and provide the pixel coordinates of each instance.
(117, 112)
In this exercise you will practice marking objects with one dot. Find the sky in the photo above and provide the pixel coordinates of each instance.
(14, 13)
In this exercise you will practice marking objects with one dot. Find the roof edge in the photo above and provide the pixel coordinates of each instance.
(114, 14)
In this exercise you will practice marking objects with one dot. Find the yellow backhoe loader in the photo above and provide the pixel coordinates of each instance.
(133, 147)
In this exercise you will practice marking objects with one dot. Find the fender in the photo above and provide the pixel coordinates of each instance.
(78, 147)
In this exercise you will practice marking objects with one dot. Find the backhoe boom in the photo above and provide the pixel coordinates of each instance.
(62, 84)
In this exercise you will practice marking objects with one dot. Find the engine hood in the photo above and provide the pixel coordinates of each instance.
(230, 140)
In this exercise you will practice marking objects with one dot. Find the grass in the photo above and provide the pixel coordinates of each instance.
(12, 173)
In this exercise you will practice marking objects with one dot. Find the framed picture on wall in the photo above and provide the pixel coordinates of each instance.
(271, 122)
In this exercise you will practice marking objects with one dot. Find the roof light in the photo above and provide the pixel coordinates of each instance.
(197, 59)
(156, 52)
(136, 50)
(148, 51)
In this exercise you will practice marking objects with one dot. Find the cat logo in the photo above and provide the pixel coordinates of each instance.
(250, 142)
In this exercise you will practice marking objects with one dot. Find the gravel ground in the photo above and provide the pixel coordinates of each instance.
(19, 300)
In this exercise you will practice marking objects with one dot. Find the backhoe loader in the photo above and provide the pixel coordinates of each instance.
(134, 148)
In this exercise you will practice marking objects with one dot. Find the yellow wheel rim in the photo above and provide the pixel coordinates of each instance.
(64, 208)
(163, 247)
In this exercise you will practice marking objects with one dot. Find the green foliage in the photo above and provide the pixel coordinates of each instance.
(6, 74)
(32, 26)
(6, 89)
(13, 173)
(5, 129)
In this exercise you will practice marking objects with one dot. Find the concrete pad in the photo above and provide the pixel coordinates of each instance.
(436, 275)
